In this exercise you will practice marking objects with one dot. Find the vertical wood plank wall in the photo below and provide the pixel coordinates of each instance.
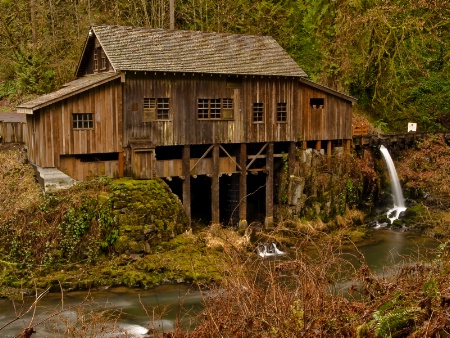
(333, 122)
(50, 129)
(13, 132)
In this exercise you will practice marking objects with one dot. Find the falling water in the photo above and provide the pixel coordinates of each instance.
(399, 201)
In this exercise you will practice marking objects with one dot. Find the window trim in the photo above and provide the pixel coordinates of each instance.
(282, 112)
(162, 109)
(95, 60)
(258, 112)
(214, 109)
(82, 121)
(317, 102)
(156, 109)
(103, 59)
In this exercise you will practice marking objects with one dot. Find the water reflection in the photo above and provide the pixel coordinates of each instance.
(159, 308)
(125, 312)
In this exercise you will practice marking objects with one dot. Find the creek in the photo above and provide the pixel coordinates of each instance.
(164, 304)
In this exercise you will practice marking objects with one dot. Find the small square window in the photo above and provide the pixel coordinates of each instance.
(149, 103)
(281, 112)
(316, 102)
(203, 108)
(227, 103)
(83, 121)
(258, 112)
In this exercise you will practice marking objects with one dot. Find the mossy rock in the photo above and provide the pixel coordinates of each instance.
(397, 224)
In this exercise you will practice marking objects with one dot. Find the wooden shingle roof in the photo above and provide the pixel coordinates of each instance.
(162, 50)
(69, 89)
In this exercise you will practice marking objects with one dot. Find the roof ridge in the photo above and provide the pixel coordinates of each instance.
(182, 30)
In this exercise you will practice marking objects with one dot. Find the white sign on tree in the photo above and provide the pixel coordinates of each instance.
(412, 126)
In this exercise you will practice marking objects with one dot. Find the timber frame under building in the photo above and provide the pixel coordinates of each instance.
(212, 114)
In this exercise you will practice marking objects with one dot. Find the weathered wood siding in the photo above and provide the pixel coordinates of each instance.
(333, 121)
(81, 170)
(12, 132)
(51, 134)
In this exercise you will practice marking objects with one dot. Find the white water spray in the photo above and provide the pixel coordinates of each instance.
(399, 201)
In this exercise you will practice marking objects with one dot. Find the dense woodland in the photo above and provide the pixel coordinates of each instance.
(392, 55)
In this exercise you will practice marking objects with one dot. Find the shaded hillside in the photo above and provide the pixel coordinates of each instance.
(393, 56)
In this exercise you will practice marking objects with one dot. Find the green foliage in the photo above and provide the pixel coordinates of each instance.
(401, 319)
(430, 288)
(392, 55)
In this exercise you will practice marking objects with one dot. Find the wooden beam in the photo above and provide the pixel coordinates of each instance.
(269, 186)
(231, 158)
(215, 215)
(187, 181)
(259, 153)
(243, 187)
(203, 156)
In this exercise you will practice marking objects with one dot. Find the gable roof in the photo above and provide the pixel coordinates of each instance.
(328, 90)
(163, 50)
(69, 89)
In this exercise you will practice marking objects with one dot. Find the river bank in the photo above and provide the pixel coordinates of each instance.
(104, 232)
(107, 233)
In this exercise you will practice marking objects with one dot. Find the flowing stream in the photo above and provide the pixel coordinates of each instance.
(164, 304)
(132, 313)
(399, 201)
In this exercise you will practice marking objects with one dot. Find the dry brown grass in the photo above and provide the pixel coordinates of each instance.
(19, 189)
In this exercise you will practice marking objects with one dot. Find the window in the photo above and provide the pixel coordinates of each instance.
(215, 108)
(156, 109)
(83, 121)
(95, 59)
(103, 58)
(281, 112)
(203, 108)
(227, 108)
(149, 103)
(316, 102)
(227, 103)
(258, 112)
(162, 112)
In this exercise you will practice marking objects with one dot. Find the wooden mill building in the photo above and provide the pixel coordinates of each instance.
(210, 113)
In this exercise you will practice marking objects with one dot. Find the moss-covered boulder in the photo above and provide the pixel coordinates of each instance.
(147, 213)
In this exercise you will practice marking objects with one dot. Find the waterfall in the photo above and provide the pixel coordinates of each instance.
(399, 201)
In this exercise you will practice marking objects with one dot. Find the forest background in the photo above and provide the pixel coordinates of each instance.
(392, 55)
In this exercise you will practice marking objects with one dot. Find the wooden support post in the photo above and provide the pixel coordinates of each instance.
(347, 146)
(186, 168)
(318, 145)
(215, 205)
(329, 148)
(291, 159)
(304, 145)
(269, 186)
(243, 187)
